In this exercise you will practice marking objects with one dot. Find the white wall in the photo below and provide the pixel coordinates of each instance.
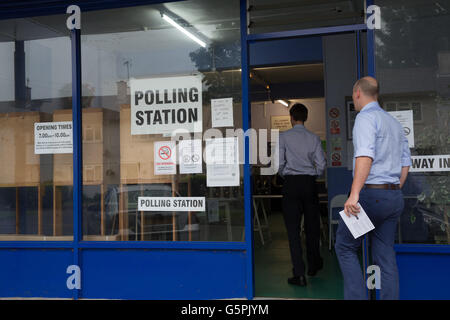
(316, 123)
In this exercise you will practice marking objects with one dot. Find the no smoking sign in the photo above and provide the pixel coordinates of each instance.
(334, 113)
(165, 152)
(164, 156)
(336, 159)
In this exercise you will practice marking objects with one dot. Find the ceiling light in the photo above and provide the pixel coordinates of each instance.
(284, 103)
(187, 33)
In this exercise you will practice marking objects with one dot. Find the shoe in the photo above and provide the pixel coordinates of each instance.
(298, 281)
(313, 271)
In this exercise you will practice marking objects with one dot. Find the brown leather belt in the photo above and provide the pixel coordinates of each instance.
(383, 186)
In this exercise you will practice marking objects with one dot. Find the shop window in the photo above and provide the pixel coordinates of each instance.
(143, 78)
(35, 86)
(412, 59)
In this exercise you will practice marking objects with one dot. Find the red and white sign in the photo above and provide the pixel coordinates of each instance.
(336, 159)
(335, 127)
(334, 113)
(165, 157)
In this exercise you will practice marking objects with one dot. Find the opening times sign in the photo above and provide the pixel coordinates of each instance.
(53, 137)
(164, 105)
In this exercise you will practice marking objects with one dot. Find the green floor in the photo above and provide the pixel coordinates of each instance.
(273, 268)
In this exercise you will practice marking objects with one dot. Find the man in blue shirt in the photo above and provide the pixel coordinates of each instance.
(301, 160)
(380, 167)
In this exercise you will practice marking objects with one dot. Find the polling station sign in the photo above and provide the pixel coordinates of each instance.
(194, 204)
(165, 105)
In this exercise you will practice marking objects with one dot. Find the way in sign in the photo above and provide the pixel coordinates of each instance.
(429, 163)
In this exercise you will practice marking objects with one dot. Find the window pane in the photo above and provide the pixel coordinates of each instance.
(284, 15)
(412, 60)
(35, 94)
(142, 79)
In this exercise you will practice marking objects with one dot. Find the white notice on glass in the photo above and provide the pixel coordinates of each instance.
(53, 137)
(406, 120)
(190, 153)
(360, 225)
(222, 162)
(222, 112)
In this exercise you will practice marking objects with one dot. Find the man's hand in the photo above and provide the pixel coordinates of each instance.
(361, 172)
(351, 205)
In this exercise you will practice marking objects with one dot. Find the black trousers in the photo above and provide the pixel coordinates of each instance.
(300, 197)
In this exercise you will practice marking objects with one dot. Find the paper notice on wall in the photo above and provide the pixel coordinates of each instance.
(282, 123)
(171, 203)
(165, 157)
(53, 137)
(190, 156)
(430, 163)
(166, 105)
(222, 112)
(222, 162)
(406, 120)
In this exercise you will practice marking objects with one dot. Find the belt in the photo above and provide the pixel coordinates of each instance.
(383, 186)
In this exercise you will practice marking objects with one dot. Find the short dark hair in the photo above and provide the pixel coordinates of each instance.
(299, 112)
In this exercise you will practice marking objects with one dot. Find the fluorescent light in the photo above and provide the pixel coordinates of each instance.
(187, 33)
(284, 103)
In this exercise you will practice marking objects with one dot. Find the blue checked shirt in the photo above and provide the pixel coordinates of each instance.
(300, 152)
(378, 135)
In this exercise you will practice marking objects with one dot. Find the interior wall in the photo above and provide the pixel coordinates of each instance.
(340, 72)
(316, 123)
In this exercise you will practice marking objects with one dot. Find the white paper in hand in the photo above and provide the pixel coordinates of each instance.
(358, 226)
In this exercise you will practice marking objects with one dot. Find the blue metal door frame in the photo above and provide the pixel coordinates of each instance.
(250, 38)
(412, 259)
(9, 10)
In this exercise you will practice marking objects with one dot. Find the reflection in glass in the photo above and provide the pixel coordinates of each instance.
(35, 84)
(284, 15)
(412, 59)
(119, 166)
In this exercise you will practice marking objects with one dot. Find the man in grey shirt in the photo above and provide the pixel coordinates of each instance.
(301, 160)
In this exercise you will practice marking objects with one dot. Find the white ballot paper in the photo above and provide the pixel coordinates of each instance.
(358, 226)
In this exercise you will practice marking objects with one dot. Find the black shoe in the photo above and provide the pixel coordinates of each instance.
(298, 281)
(313, 271)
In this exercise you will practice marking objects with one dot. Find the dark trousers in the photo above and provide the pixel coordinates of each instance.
(300, 197)
(383, 207)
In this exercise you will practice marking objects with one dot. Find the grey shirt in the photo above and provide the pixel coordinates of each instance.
(300, 153)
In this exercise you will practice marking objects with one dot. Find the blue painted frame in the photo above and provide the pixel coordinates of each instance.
(77, 147)
(306, 32)
(9, 10)
(246, 123)
(357, 28)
